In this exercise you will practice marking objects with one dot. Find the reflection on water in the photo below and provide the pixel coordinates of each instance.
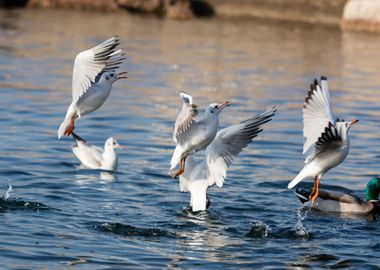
(254, 220)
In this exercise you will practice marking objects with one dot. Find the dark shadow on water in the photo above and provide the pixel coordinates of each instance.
(15, 204)
(129, 230)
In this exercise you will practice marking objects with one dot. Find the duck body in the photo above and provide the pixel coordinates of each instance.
(339, 202)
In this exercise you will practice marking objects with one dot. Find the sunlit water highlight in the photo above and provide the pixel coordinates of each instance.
(60, 215)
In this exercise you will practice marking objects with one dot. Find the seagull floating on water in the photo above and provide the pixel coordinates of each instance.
(93, 76)
(94, 157)
(326, 142)
(192, 135)
(220, 154)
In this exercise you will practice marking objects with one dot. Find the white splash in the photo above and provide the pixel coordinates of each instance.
(8, 192)
(300, 228)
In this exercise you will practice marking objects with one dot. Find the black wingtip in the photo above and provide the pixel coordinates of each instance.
(77, 137)
(323, 78)
(303, 194)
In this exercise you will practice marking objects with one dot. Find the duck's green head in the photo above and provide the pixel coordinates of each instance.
(372, 190)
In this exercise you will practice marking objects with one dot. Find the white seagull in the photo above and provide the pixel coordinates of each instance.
(326, 141)
(192, 135)
(220, 154)
(93, 157)
(93, 76)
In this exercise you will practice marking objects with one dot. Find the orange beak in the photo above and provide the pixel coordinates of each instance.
(224, 104)
(353, 122)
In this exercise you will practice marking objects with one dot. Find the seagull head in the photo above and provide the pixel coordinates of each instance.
(113, 144)
(216, 108)
(109, 77)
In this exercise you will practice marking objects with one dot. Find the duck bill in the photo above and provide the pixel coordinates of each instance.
(353, 122)
(121, 75)
(224, 104)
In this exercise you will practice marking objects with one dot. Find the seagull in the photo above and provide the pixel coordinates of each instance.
(326, 142)
(219, 155)
(93, 76)
(192, 135)
(94, 157)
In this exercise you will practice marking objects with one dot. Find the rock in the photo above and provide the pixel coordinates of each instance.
(362, 15)
(178, 9)
(75, 4)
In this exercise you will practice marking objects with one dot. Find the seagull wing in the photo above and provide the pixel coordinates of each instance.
(229, 142)
(317, 114)
(331, 139)
(186, 118)
(89, 155)
(90, 64)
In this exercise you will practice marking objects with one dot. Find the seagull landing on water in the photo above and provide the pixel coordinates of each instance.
(326, 142)
(220, 154)
(93, 76)
(192, 135)
(94, 157)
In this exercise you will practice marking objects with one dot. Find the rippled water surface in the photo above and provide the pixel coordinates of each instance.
(59, 216)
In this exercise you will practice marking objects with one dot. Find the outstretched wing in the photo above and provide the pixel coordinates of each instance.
(331, 139)
(185, 119)
(317, 114)
(90, 64)
(229, 142)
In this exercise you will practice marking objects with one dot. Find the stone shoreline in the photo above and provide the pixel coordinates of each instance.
(357, 15)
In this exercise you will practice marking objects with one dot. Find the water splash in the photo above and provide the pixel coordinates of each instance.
(259, 230)
(299, 227)
(8, 192)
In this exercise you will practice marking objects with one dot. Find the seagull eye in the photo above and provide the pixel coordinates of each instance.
(216, 106)
(112, 75)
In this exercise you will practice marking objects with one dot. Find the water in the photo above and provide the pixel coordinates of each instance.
(59, 216)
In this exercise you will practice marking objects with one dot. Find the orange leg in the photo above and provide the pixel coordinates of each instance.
(181, 168)
(315, 192)
(70, 128)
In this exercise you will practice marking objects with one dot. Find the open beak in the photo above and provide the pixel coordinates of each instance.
(224, 104)
(353, 122)
(121, 75)
(120, 146)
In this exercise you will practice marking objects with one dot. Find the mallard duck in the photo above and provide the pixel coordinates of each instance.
(339, 202)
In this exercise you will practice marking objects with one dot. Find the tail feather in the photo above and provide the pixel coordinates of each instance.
(198, 196)
(62, 128)
(71, 113)
(176, 157)
(301, 175)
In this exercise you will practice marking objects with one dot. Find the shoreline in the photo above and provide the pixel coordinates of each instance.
(350, 15)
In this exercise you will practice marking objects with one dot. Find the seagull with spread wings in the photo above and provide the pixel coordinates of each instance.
(191, 134)
(220, 154)
(326, 142)
(93, 76)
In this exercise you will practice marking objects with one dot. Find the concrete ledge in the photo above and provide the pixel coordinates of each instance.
(362, 15)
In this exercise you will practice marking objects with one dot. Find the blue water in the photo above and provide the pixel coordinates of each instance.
(59, 216)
